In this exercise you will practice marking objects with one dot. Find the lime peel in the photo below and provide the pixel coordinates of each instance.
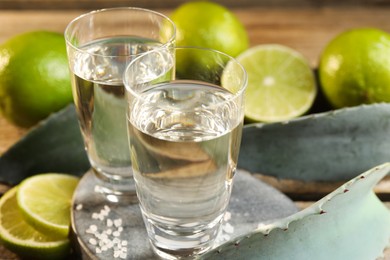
(354, 68)
(209, 25)
(34, 77)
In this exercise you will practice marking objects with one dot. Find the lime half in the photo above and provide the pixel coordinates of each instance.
(281, 84)
(45, 202)
(21, 238)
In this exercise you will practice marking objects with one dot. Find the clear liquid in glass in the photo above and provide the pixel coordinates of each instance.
(185, 138)
(99, 96)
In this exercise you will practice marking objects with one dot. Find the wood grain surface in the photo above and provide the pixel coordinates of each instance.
(95, 4)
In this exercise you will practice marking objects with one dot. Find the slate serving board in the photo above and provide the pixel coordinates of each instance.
(252, 202)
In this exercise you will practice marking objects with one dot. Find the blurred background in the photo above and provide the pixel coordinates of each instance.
(93, 4)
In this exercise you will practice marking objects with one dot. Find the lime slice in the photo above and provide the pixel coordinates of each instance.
(45, 202)
(281, 84)
(21, 238)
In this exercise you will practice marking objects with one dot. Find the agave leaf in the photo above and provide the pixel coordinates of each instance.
(349, 223)
(339, 144)
(54, 145)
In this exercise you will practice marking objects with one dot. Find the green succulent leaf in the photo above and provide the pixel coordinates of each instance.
(349, 223)
(331, 146)
(54, 145)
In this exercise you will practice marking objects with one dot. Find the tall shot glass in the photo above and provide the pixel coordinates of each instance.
(100, 45)
(185, 117)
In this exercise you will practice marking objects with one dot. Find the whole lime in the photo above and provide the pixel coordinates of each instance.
(209, 25)
(34, 77)
(354, 68)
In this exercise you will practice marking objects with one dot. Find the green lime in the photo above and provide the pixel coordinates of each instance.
(45, 201)
(34, 77)
(209, 25)
(21, 238)
(355, 68)
(199, 64)
(281, 84)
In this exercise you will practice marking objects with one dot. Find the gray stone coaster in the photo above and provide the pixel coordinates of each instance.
(107, 230)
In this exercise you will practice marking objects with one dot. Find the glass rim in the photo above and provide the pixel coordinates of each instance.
(238, 93)
(78, 18)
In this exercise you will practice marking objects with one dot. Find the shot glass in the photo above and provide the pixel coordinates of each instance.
(185, 115)
(100, 45)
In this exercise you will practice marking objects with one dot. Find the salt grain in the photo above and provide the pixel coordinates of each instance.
(227, 216)
(93, 227)
(109, 223)
(117, 254)
(88, 231)
(228, 228)
(79, 207)
(96, 188)
(118, 222)
(107, 239)
(93, 241)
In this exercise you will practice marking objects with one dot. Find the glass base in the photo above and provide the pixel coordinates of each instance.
(115, 189)
(102, 229)
(174, 246)
(175, 242)
(175, 255)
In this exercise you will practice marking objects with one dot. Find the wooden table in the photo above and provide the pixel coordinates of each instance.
(305, 29)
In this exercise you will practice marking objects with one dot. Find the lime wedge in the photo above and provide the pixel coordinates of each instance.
(45, 202)
(21, 238)
(281, 84)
